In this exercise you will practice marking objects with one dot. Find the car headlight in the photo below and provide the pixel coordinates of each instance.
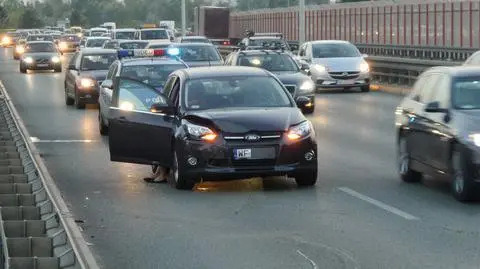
(126, 106)
(475, 139)
(20, 49)
(364, 67)
(319, 68)
(307, 86)
(299, 131)
(63, 45)
(201, 132)
(87, 82)
(28, 60)
(6, 40)
(55, 59)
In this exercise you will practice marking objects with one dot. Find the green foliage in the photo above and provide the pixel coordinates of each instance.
(29, 18)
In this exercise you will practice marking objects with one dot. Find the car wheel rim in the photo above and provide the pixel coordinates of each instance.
(458, 178)
(175, 165)
(403, 157)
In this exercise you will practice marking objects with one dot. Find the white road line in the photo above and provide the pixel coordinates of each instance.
(37, 140)
(314, 265)
(379, 204)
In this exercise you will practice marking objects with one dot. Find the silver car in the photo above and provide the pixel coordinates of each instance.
(336, 64)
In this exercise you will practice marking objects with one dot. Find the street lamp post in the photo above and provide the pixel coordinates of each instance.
(184, 18)
(301, 22)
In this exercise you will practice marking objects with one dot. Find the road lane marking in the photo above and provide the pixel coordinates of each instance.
(37, 140)
(379, 204)
(314, 265)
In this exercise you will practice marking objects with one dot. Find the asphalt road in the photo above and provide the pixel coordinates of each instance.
(358, 216)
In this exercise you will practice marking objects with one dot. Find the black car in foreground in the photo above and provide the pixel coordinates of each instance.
(438, 127)
(86, 71)
(281, 63)
(214, 123)
(40, 55)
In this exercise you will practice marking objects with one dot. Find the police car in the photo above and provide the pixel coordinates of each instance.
(150, 66)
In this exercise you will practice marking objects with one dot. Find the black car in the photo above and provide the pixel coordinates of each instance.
(214, 123)
(283, 65)
(40, 55)
(87, 69)
(438, 129)
(198, 54)
(69, 43)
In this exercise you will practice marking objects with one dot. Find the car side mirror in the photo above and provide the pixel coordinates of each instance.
(305, 68)
(303, 103)
(434, 107)
(107, 84)
(161, 108)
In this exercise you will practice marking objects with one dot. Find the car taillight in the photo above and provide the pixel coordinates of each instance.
(226, 43)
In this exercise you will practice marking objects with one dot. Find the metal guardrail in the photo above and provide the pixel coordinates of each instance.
(37, 230)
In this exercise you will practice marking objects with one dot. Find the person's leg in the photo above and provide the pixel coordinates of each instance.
(160, 175)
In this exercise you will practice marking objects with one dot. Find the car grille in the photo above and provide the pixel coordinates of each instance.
(344, 75)
(42, 61)
(291, 89)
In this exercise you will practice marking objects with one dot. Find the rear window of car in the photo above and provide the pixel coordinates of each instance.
(71, 38)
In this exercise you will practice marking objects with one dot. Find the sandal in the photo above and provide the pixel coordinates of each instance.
(154, 180)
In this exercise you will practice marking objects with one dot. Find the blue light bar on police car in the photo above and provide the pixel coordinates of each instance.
(148, 52)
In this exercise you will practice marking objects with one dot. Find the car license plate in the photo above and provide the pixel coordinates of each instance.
(42, 65)
(239, 154)
(346, 82)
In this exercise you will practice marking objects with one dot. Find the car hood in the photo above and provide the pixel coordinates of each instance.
(340, 64)
(291, 77)
(37, 55)
(98, 75)
(241, 121)
(203, 63)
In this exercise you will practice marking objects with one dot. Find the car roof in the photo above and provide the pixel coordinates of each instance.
(265, 37)
(192, 44)
(261, 52)
(330, 42)
(132, 40)
(150, 61)
(194, 37)
(39, 42)
(92, 51)
(124, 29)
(98, 37)
(224, 71)
(458, 71)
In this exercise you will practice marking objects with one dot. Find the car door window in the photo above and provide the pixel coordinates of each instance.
(167, 90)
(111, 71)
(302, 51)
(441, 92)
(175, 91)
(426, 93)
(138, 96)
(74, 59)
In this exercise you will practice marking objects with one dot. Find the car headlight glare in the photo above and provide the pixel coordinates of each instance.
(475, 138)
(63, 45)
(364, 67)
(319, 68)
(87, 82)
(201, 132)
(6, 40)
(28, 60)
(55, 59)
(299, 131)
(307, 86)
(126, 106)
(20, 49)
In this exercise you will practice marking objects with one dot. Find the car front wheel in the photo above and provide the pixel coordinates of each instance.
(463, 185)
(403, 162)
(306, 179)
(181, 180)
(101, 124)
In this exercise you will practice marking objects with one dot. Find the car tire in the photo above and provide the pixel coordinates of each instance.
(365, 88)
(181, 181)
(464, 188)
(101, 125)
(309, 111)
(23, 70)
(68, 100)
(77, 102)
(306, 179)
(407, 174)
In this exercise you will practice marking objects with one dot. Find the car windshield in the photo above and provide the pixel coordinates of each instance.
(97, 33)
(466, 93)
(95, 42)
(334, 50)
(40, 47)
(234, 92)
(133, 45)
(199, 53)
(195, 40)
(110, 45)
(125, 35)
(271, 62)
(154, 34)
(97, 61)
(40, 38)
(71, 38)
(266, 41)
(154, 75)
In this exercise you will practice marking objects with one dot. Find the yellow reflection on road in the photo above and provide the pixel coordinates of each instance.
(246, 185)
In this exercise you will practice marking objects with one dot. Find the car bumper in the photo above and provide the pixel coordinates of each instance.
(88, 96)
(326, 81)
(48, 66)
(216, 162)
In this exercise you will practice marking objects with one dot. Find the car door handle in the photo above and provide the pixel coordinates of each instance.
(122, 119)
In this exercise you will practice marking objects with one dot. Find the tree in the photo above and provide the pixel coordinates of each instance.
(3, 16)
(29, 18)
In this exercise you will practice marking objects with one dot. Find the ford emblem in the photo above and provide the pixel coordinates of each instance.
(252, 137)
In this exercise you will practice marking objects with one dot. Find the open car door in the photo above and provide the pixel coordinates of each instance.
(140, 125)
